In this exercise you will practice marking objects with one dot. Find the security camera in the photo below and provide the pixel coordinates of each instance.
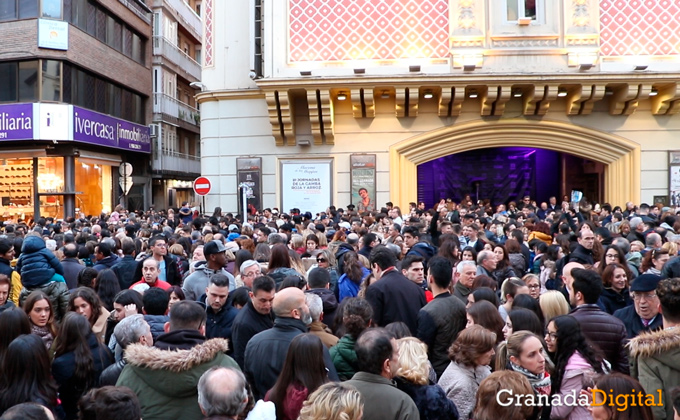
(252, 74)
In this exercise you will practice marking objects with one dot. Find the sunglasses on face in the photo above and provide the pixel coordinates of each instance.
(321, 260)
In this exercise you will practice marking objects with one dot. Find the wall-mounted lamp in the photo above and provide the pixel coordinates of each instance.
(198, 86)
(359, 71)
(342, 96)
(517, 93)
(414, 69)
(469, 67)
(640, 68)
(524, 21)
(585, 66)
(306, 73)
(472, 94)
(385, 94)
(654, 92)
(561, 92)
(428, 94)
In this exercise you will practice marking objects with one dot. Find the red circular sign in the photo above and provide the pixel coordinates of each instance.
(202, 185)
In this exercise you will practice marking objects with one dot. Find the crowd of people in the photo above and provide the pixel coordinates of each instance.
(458, 311)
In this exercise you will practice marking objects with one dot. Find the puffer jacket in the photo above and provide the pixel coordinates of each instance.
(655, 362)
(345, 358)
(605, 331)
(57, 292)
(165, 380)
(281, 273)
(37, 265)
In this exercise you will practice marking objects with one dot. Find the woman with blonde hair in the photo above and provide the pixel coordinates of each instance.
(492, 404)
(412, 378)
(553, 303)
(333, 401)
(671, 247)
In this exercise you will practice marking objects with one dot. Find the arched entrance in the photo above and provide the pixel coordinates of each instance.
(620, 156)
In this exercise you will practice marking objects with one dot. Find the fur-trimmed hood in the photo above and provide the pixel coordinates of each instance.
(658, 344)
(176, 361)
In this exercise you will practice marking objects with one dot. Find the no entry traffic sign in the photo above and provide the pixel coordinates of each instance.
(202, 185)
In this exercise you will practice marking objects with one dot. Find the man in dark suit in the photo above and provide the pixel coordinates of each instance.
(394, 298)
(643, 315)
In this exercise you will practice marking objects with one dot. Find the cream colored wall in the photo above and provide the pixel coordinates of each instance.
(240, 127)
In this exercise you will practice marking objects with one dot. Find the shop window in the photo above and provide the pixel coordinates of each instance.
(51, 9)
(95, 181)
(51, 80)
(524, 9)
(8, 88)
(28, 81)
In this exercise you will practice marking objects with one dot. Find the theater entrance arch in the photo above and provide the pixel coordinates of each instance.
(620, 156)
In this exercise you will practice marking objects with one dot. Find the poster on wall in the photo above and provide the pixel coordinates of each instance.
(674, 184)
(249, 172)
(362, 178)
(306, 184)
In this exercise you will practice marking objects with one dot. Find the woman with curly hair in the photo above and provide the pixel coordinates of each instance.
(85, 302)
(356, 315)
(412, 378)
(576, 364)
(333, 401)
(471, 354)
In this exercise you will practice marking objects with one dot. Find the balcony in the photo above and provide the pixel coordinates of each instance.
(178, 112)
(187, 17)
(162, 47)
(169, 162)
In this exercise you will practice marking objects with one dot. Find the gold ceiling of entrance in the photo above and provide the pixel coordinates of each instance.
(622, 94)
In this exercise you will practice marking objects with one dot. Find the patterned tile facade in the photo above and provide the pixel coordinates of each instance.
(639, 27)
(209, 18)
(335, 30)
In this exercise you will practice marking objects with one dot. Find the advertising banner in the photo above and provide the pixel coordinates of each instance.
(362, 178)
(306, 184)
(249, 172)
(52, 34)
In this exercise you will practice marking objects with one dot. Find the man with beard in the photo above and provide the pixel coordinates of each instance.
(266, 351)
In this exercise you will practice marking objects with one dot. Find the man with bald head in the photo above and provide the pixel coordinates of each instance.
(266, 351)
(567, 277)
(222, 393)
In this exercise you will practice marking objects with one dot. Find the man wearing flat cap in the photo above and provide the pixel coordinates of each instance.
(643, 315)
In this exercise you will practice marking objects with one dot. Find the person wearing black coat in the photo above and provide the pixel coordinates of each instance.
(64, 372)
(430, 399)
(611, 300)
(219, 322)
(633, 323)
(125, 267)
(394, 298)
(252, 319)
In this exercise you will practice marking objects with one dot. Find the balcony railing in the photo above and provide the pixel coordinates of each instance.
(163, 47)
(187, 15)
(169, 161)
(165, 104)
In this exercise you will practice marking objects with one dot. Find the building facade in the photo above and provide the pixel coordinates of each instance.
(74, 107)
(177, 35)
(316, 100)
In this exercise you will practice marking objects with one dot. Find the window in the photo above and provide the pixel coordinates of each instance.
(523, 9)
(79, 14)
(51, 80)
(18, 9)
(8, 88)
(138, 49)
(51, 9)
(28, 9)
(8, 9)
(28, 81)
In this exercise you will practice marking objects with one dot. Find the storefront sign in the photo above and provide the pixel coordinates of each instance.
(362, 178)
(16, 122)
(249, 172)
(66, 122)
(95, 128)
(306, 184)
(52, 34)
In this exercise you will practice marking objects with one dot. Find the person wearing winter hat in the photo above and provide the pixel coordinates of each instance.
(643, 315)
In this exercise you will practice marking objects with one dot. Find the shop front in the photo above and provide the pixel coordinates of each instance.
(60, 160)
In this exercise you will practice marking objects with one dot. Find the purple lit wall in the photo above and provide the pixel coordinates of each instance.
(499, 174)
